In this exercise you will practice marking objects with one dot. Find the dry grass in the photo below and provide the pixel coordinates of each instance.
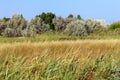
(55, 49)
(60, 60)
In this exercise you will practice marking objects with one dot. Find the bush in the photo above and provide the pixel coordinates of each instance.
(36, 26)
(8, 32)
(60, 24)
(14, 26)
(47, 18)
(94, 25)
(2, 26)
(77, 28)
(29, 32)
(115, 25)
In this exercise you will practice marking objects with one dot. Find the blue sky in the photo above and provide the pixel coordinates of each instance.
(100, 9)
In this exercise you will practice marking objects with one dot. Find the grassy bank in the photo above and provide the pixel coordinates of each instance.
(60, 60)
(56, 36)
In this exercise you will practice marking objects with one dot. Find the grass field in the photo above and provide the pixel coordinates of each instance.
(57, 36)
(60, 60)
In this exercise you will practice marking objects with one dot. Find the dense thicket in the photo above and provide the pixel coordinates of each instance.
(36, 26)
(47, 18)
(61, 23)
(115, 25)
(18, 26)
(14, 26)
(77, 28)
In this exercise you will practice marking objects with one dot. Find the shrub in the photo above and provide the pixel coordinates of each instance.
(79, 17)
(47, 18)
(77, 28)
(60, 24)
(14, 26)
(36, 26)
(70, 16)
(93, 24)
(2, 26)
(8, 32)
(115, 25)
(29, 32)
(17, 21)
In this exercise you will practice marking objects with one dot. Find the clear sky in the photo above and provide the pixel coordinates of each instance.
(100, 9)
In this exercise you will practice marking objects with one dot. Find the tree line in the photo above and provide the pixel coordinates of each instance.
(18, 26)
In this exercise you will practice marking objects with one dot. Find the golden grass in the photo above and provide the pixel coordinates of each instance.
(60, 60)
(61, 49)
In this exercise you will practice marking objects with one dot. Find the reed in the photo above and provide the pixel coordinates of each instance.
(60, 60)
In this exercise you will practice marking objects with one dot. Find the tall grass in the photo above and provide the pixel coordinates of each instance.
(57, 36)
(61, 60)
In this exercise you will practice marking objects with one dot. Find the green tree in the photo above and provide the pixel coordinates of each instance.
(79, 17)
(6, 19)
(70, 16)
(115, 25)
(48, 19)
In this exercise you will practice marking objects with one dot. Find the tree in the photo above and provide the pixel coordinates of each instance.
(115, 25)
(70, 16)
(79, 17)
(93, 24)
(77, 28)
(36, 26)
(8, 32)
(6, 19)
(3, 24)
(48, 19)
(60, 24)
(16, 24)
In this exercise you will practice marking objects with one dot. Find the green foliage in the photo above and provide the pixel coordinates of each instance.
(48, 19)
(6, 19)
(77, 28)
(49, 22)
(79, 17)
(114, 25)
(70, 16)
(105, 67)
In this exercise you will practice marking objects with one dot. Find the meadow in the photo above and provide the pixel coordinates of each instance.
(50, 47)
(60, 59)
(60, 36)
